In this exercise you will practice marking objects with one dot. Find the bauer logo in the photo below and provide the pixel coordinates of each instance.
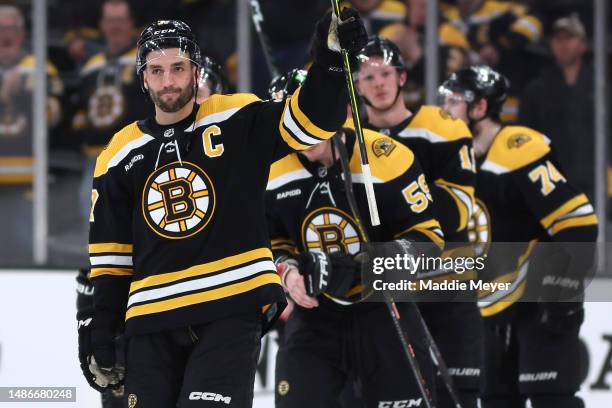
(401, 403)
(209, 396)
(178, 200)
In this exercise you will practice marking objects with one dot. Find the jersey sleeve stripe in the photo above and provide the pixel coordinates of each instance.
(293, 133)
(304, 122)
(203, 269)
(111, 260)
(430, 228)
(207, 296)
(564, 209)
(463, 197)
(95, 272)
(572, 223)
(112, 247)
(286, 178)
(216, 117)
(422, 133)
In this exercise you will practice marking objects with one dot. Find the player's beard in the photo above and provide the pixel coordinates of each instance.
(173, 106)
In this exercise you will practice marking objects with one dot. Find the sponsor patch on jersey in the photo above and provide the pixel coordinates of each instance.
(289, 193)
(383, 146)
(329, 229)
(517, 141)
(133, 160)
(178, 200)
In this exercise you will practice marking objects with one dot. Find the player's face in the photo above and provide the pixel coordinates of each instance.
(169, 77)
(378, 82)
(456, 105)
(318, 152)
(12, 37)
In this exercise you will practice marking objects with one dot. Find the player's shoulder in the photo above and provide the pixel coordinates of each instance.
(94, 63)
(515, 147)
(436, 125)
(286, 170)
(494, 7)
(217, 108)
(392, 9)
(27, 65)
(388, 158)
(122, 143)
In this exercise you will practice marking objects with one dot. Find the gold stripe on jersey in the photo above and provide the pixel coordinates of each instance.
(430, 228)
(463, 197)
(105, 247)
(515, 147)
(436, 125)
(529, 27)
(283, 244)
(504, 304)
(564, 209)
(286, 170)
(120, 146)
(573, 223)
(384, 166)
(95, 272)
(296, 128)
(202, 269)
(201, 297)
(218, 108)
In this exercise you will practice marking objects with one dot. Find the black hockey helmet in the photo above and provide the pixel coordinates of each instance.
(212, 73)
(285, 85)
(164, 34)
(381, 47)
(475, 83)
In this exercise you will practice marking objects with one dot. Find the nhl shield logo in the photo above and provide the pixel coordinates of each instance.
(169, 132)
(178, 200)
(329, 229)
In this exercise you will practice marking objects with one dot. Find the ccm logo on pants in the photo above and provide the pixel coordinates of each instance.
(400, 404)
(209, 396)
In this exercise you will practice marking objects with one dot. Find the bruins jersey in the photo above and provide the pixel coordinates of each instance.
(307, 208)
(110, 98)
(522, 197)
(16, 139)
(443, 146)
(177, 228)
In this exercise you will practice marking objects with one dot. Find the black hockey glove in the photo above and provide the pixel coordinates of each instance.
(96, 341)
(332, 274)
(331, 36)
(561, 317)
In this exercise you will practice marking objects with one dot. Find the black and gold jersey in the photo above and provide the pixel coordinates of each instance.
(443, 146)
(384, 13)
(308, 210)
(177, 229)
(16, 120)
(109, 99)
(522, 197)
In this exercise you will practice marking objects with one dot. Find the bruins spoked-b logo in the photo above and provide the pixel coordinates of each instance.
(479, 228)
(178, 200)
(329, 229)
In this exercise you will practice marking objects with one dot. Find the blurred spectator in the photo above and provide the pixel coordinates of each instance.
(17, 78)
(110, 95)
(560, 103)
(409, 36)
(499, 32)
(377, 13)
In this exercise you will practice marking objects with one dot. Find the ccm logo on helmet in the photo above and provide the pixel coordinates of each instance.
(209, 396)
(168, 30)
(400, 404)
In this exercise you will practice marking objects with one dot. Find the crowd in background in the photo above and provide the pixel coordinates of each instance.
(542, 46)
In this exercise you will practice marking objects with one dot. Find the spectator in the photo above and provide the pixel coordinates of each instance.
(110, 95)
(377, 13)
(17, 70)
(499, 33)
(409, 36)
(560, 102)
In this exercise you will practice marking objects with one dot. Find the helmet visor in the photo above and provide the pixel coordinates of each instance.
(163, 47)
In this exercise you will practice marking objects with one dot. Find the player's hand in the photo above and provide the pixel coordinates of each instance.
(296, 288)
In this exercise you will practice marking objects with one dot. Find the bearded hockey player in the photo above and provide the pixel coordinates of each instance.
(443, 146)
(531, 350)
(178, 243)
(330, 337)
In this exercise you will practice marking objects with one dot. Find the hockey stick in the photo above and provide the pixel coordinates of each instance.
(389, 302)
(365, 164)
(258, 19)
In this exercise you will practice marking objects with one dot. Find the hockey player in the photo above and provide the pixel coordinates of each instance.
(443, 146)
(524, 198)
(328, 338)
(178, 244)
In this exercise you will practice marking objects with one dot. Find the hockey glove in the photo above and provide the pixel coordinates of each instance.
(561, 317)
(332, 35)
(315, 267)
